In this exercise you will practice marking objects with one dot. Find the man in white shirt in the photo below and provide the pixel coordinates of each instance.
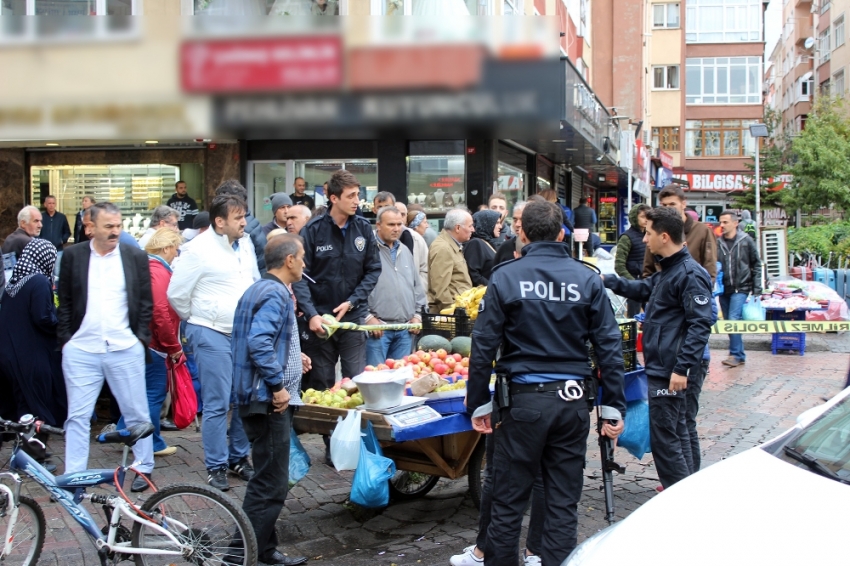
(207, 283)
(105, 309)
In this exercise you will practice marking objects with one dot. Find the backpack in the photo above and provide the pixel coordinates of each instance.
(750, 230)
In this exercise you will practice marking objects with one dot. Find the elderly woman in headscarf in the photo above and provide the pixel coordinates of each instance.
(480, 250)
(31, 380)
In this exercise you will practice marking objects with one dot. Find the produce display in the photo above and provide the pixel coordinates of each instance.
(343, 395)
(795, 294)
(467, 300)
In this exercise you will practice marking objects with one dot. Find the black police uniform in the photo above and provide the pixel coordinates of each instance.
(541, 309)
(345, 268)
(675, 332)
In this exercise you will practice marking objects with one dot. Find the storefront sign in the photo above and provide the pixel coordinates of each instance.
(587, 105)
(666, 159)
(774, 217)
(641, 188)
(715, 181)
(261, 65)
(609, 200)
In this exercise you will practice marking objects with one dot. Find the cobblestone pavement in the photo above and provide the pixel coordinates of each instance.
(741, 407)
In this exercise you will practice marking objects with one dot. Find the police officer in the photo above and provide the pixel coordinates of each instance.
(540, 418)
(675, 332)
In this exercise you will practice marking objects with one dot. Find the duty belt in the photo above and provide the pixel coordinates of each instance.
(576, 387)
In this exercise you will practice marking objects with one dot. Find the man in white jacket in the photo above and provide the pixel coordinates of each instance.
(207, 283)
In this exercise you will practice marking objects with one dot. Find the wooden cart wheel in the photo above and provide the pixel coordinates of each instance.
(476, 466)
(410, 485)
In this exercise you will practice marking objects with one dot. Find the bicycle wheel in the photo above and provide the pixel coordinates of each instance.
(28, 533)
(211, 525)
(475, 473)
(410, 485)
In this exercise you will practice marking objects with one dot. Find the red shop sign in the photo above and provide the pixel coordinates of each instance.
(608, 200)
(261, 65)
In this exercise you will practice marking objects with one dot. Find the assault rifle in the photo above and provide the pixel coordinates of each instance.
(606, 452)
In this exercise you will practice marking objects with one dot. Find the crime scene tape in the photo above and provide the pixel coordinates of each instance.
(777, 326)
(331, 325)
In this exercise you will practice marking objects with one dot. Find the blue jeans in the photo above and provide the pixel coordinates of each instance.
(394, 344)
(215, 370)
(156, 384)
(733, 305)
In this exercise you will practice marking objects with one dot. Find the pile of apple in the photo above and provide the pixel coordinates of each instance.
(452, 368)
(343, 395)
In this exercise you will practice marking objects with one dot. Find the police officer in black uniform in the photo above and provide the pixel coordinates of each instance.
(541, 309)
(675, 332)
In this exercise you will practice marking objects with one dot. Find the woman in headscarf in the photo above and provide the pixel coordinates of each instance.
(31, 380)
(480, 250)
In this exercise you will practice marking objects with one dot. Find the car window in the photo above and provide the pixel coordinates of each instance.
(826, 440)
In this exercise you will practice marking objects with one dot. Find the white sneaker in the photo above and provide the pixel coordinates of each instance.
(532, 560)
(468, 558)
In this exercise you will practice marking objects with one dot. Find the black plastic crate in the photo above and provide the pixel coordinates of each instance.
(447, 325)
(628, 332)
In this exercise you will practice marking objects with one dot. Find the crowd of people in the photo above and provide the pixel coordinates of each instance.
(244, 302)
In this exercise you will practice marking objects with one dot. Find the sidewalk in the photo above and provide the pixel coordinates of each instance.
(741, 407)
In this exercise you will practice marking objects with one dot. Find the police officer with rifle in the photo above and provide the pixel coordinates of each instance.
(542, 309)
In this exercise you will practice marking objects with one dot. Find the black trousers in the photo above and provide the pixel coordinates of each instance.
(349, 347)
(534, 540)
(668, 432)
(692, 393)
(538, 433)
(267, 490)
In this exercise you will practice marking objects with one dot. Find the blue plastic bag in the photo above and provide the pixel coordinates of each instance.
(370, 487)
(718, 281)
(635, 436)
(753, 310)
(299, 460)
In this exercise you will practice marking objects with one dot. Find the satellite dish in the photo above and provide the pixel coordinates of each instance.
(810, 42)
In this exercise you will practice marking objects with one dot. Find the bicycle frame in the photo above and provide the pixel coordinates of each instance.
(12, 494)
(62, 487)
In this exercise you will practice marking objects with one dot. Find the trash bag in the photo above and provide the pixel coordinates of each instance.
(370, 487)
(299, 460)
(635, 436)
(753, 310)
(345, 442)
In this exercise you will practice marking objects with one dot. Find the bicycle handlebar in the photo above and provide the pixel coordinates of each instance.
(41, 427)
(24, 428)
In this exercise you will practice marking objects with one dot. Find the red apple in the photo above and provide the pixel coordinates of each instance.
(404, 359)
(465, 362)
(370, 368)
(457, 357)
(433, 362)
(426, 357)
(450, 361)
(413, 358)
(441, 368)
(464, 371)
(390, 364)
(382, 367)
(420, 353)
(441, 354)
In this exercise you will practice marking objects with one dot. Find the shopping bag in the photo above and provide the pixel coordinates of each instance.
(299, 460)
(753, 310)
(370, 486)
(184, 402)
(635, 436)
(345, 442)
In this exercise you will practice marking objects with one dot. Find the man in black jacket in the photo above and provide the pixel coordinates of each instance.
(105, 309)
(186, 207)
(544, 422)
(79, 224)
(675, 332)
(739, 257)
(342, 263)
(54, 226)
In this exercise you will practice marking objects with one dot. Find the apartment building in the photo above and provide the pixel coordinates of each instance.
(705, 60)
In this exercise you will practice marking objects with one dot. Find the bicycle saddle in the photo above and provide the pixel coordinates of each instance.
(129, 436)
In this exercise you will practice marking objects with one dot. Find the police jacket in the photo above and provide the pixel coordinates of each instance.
(345, 268)
(741, 264)
(542, 309)
(678, 313)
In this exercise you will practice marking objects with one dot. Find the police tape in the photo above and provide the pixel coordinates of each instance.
(778, 326)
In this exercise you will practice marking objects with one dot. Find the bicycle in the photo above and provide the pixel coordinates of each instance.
(182, 523)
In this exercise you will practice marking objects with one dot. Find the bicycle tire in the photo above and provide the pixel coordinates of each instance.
(26, 506)
(159, 502)
(400, 482)
(475, 469)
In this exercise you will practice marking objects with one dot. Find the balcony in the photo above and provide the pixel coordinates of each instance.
(802, 3)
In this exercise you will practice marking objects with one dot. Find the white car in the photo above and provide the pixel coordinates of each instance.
(782, 503)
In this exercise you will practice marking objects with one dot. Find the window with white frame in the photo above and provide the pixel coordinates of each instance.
(723, 80)
(823, 46)
(719, 138)
(723, 21)
(838, 84)
(583, 10)
(67, 20)
(825, 88)
(838, 31)
(665, 77)
(665, 15)
(825, 6)
(511, 7)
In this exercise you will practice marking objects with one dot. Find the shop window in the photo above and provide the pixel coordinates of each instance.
(723, 80)
(665, 15)
(68, 20)
(666, 139)
(437, 182)
(723, 21)
(513, 182)
(719, 138)
(665, 77)
(607, 218)
(135, 189)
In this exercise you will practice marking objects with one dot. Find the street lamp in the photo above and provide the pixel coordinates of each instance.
(758, 131)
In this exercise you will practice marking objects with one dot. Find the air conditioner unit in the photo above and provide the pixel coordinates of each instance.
(774, 252)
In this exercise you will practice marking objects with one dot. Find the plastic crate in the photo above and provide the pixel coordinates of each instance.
(635, 386)
(795, 341)
(447, 406)
(447, 325)
(628, 332)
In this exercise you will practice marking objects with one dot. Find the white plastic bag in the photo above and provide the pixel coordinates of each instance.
(345, 442)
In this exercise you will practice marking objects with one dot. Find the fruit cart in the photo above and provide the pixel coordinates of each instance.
(446, 448)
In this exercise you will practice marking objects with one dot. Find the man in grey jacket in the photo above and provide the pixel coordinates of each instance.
(398, 297)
